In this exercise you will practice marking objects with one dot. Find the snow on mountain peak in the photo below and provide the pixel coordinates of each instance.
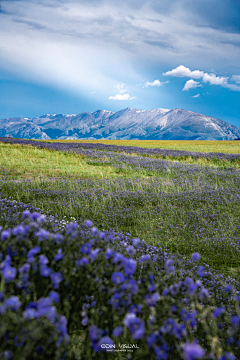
(131, 123)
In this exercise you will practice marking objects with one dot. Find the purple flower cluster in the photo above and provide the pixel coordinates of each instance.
(153, 297)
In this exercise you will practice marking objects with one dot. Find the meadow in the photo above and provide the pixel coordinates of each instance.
(230, 146)
(130, 242)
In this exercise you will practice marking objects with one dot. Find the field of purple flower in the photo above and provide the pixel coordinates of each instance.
(72, 291)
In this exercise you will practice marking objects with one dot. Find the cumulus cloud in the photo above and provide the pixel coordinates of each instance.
(236, 78)
(122, 97)
(191, 84)
(214, 80)
(154, 83)
(196, 96)
(182, 71)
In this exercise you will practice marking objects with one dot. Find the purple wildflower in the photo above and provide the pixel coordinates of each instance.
(33, 251)
(193, 351)
(201, 271)
(95, 333)
(227, 356)
(84, 321)
(151, 288)
(54, 296)
(151, 300)
(35, 216)
(136, 242)
(195, 256)
(151, 340)
(117, 258)
(26, 214)
(117, 278)
(135, 325)
(29, 314)
(165, 292)
(161, 352)
(13, 303)
(41, 219)
(59, 256)
(108, 253)
(88, 223)
(24, 268)
(5, 235)
(42, 234)
(19, 230)
(144, 258)
(85, 248)
(84, 261)
(130, 266)
(203, 293)
(43, 260)
(94, 254)
(45, 271)
(169, 266)
(7, 355)
(130, 250)
(117, 331)
(9, 273)
(218, 311)
(56, 278)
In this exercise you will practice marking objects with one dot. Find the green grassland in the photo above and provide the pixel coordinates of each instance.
(31, 162)
(230, 147)
(154, 206)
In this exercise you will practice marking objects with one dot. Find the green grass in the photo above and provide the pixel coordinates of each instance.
(229, 146)
(30, 162)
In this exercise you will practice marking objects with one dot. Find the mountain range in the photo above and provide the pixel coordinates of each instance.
(129, 123)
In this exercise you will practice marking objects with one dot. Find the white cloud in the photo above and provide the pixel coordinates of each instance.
(122, 97)
(232, 87)
(196, 96)
(236, 78)
(182, 71)
(214, 80)
(120, 88)
(154, 83)
(191, 84)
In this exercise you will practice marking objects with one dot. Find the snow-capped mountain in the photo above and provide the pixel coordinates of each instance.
(129, 123)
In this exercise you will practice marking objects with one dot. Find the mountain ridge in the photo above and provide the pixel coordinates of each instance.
(128, 123)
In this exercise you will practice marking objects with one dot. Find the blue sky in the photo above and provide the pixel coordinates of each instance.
(63, 56)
